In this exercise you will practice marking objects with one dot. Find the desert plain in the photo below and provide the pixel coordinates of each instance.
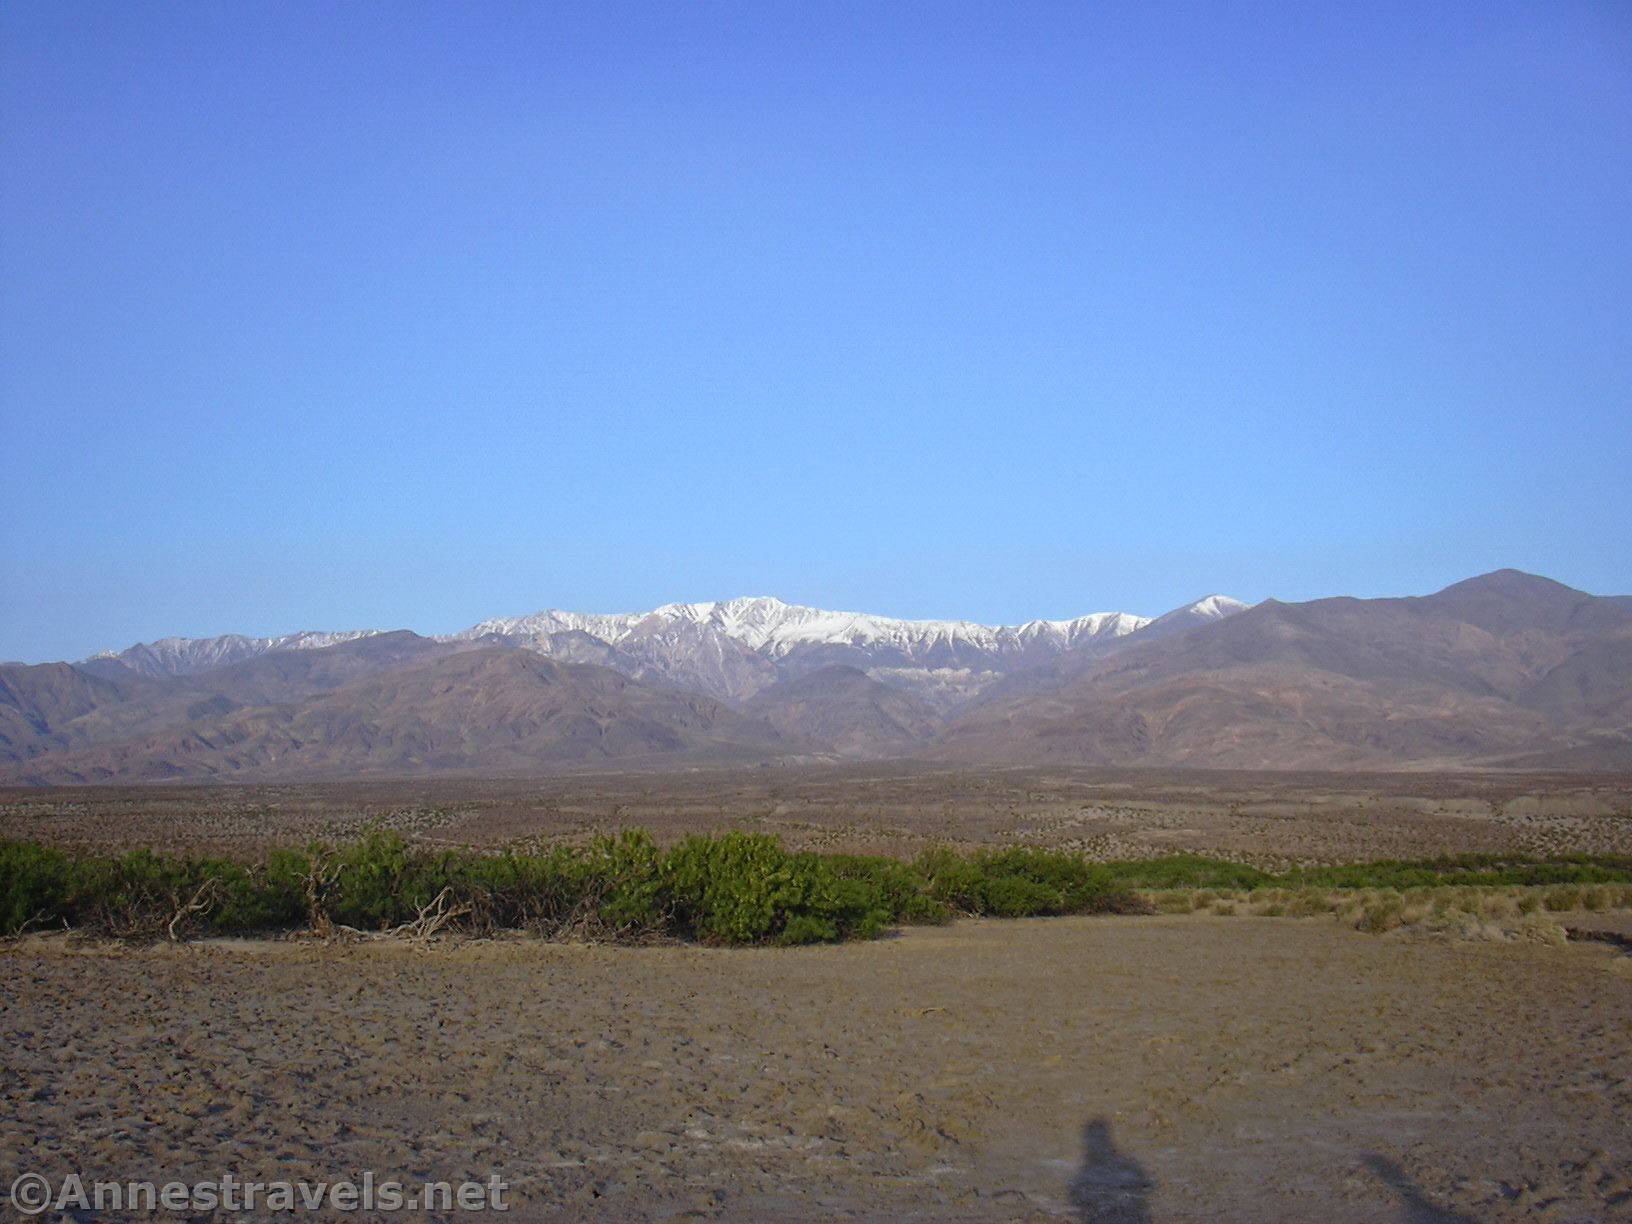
(1212, 1065)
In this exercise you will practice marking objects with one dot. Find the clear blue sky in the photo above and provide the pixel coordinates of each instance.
(333, 315)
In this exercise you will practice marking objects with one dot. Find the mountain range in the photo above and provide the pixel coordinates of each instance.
(732, 649)
(1507, 670)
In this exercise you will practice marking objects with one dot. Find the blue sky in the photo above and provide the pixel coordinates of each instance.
(335, 315)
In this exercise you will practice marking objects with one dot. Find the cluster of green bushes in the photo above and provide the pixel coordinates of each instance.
(1187, 871)
(733, 888)
(1471, 870)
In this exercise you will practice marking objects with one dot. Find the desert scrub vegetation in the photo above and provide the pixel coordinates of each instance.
(1472, 870)
(736, 888)
(1481, 911)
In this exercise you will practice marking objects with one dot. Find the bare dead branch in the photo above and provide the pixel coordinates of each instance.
(202, 900)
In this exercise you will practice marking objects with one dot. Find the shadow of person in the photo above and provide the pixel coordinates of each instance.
(1418, 1207)
(1109, 1188)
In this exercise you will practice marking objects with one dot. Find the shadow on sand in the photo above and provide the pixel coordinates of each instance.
(1417, 1207)
(1113, 1188)
(1109, 1188)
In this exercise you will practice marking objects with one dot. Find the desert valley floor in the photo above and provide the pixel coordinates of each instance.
(1170, 1067)
(1192, 1068)
(888, 808)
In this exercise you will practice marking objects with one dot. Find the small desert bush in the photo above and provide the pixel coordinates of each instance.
(1561, 900)
(1308, 902)
(1538, 928)
(1380, 917)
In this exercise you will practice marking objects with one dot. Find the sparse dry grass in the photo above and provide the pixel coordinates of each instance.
(1485, 913)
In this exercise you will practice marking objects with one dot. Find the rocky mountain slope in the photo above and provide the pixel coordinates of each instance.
(842, 709)
(61, 706)
(176, 656)
(487, 709)
(1503, 669)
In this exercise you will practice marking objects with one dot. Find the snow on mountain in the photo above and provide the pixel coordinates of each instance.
(542, 624)
(1201, 612)
(734, 648)
(731, 649)
(770, 627)
(1215, 607)
(1093, 627)
(175, 656)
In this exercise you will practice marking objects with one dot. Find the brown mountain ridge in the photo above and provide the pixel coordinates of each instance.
(1479, 673)
(1504, 670)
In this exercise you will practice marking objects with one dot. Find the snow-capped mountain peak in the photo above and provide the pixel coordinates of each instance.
(1203, 611)
(1215, 607)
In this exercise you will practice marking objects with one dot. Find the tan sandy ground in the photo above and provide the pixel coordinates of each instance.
(1192, 1068)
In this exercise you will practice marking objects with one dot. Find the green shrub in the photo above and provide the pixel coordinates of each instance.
(745, 888)
(34, 887)
(1023, 882)
(620, 881)
(1015, 896)
(896, 887)
(950, 879)
(251, 899)
(737, 888)
(376, 883)
(921, 909)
